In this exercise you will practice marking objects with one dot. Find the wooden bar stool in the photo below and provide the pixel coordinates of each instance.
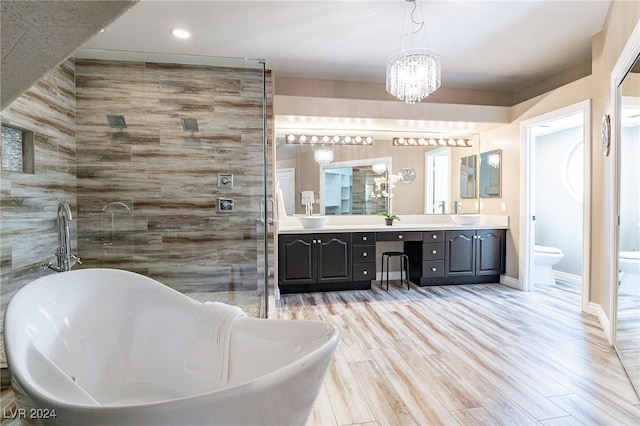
(404, 266)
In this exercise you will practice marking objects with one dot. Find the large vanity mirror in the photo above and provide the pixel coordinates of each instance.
(628, 294)
(432, 177)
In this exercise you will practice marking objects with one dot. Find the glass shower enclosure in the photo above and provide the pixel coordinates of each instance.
(171, 166)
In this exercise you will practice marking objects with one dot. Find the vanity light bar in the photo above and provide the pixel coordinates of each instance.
(335, 140)
(432, 142)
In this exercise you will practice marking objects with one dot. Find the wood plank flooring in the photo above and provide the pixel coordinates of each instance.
(465, 355)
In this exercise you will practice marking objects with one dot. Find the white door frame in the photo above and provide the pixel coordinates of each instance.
(527, 224)
(626, 59)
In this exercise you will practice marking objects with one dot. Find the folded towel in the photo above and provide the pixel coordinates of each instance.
(308, 196)
(281, 211)
(208, 354)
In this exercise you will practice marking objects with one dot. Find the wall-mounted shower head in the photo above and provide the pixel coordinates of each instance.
(116, 121)
(189, 124)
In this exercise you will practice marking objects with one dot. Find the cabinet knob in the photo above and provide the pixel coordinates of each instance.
(364, 272)
(434, 251)
(400, 236)
(364, 238)
(434, 236)
(315, 241)
(364, 254)
(434, 269)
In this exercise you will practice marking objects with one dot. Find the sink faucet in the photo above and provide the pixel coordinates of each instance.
(64, 257)
(457, 206)
(442, 206)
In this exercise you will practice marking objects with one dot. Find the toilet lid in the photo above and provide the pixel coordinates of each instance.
(549, 250)
(630, 255)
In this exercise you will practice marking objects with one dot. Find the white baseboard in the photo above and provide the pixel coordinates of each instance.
(596, 309)
(568, 278)
(510, 282)
(393, 275)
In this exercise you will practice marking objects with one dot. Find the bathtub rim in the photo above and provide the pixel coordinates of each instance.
(20, 376)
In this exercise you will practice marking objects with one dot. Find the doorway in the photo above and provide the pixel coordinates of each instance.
(437, 198)
(555, 190)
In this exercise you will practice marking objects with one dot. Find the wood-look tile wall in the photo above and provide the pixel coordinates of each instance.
(168, 177)
(29, 202)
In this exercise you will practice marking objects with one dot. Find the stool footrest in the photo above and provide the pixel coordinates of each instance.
(404, 266)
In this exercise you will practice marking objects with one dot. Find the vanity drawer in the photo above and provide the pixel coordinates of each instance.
(433, 237)
(364, 253)
(432, 268)
(364, 238)
(433, 251)
(364, 271)
(399, 236)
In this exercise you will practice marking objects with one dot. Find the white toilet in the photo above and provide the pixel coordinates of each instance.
(543, 260)
(630, 273)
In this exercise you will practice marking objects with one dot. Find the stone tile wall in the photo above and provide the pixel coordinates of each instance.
(167, 177)
(29, 202)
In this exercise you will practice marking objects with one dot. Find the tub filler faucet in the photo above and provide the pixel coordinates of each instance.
(66, 260)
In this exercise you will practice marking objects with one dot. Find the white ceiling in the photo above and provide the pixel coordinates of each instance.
(494, 45)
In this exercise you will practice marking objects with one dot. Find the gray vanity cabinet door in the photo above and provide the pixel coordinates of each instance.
(460, 253)
(333, 257)
(490, 251)
(296, 259)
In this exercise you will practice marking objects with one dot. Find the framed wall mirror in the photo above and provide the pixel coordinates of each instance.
(468, 173)
(489, 182)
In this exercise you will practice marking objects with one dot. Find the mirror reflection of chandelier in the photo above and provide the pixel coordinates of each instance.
(494, 160)
(323, 154)
(379, 168)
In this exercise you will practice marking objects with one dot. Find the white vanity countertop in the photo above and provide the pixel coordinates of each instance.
(373, 223)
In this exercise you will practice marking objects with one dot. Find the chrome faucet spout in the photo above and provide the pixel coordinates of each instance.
(65, 259)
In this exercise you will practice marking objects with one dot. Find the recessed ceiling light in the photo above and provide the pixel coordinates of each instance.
(180, 33)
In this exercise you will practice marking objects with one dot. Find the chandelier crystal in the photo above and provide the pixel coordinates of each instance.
(413, 74)
(323, 155)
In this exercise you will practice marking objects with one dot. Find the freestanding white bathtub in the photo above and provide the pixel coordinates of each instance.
(111, 347)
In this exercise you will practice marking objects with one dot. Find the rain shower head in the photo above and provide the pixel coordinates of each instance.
(189, 124)
(116, 121)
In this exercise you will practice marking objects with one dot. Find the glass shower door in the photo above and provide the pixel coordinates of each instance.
(177, 191)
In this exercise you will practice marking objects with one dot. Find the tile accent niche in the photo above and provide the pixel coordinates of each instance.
(148, 193)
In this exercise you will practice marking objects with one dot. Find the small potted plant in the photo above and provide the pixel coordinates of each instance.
(388, 217)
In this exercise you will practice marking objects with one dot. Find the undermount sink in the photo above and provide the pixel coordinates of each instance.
(313, 222)
(465, 219)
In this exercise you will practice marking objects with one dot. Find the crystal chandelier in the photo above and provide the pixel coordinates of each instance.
(413, 73)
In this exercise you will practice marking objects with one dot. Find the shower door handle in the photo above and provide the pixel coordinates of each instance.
(271, 201)
(262, 212)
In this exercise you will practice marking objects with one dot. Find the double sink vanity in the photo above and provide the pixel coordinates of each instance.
(341, 252)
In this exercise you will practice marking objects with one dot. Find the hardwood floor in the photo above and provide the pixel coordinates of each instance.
(468, 355)
(628, 335)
